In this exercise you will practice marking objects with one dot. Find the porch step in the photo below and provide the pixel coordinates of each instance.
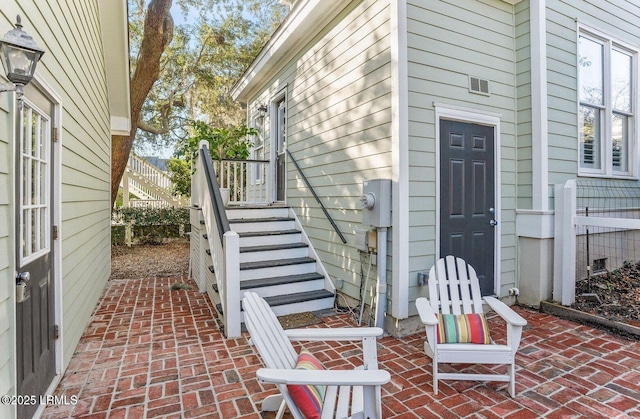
(275, 263)
(273, 252)
(249, 249)
(254, 284)
(241, 212)
(262, 224)
(296, 303)
(266, 238)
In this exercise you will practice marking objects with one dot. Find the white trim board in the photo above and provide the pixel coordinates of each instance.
(400, 160)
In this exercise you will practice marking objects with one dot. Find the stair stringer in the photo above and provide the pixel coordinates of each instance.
(328, 283)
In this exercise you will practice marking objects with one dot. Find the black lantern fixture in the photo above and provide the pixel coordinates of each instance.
(20, 55)
(262, 111)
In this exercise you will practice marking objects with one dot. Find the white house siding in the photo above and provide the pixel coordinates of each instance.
(6, 252)
(73, 68)
(619, 19)
(447, 42)
(341, 136)
(338, 128)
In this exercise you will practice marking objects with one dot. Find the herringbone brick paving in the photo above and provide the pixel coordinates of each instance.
(150, 352)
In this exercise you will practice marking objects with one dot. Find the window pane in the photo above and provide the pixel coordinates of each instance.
(621, 81)
(620, 141)
(590, 149)
(590, 71)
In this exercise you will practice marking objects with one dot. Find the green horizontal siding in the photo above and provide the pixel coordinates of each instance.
(448, 42)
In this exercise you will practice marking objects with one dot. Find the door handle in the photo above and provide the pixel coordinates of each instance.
(22, 292)
(493, 223)
(23, 277)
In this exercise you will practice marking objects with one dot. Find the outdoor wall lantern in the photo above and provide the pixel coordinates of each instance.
(262, 111)
(20, 55)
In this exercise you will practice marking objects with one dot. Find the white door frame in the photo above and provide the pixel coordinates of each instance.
(273, 138)
(474, 116)
(56, 100)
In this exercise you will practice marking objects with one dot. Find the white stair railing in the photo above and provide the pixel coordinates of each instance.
(223, 243)
(246, 180)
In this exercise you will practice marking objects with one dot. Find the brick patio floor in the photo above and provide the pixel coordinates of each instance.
(156, 353)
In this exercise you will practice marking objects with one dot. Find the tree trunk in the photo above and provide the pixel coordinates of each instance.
(158, 32)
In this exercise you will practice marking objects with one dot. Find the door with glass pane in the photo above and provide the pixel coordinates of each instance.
(35, 328)
(281, 139)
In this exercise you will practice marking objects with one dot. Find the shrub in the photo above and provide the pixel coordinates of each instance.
(150, 225)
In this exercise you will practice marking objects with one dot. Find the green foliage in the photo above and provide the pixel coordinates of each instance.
(214, 41)
(180, 174)
(149, 225)
(151, 216)
(224, 143)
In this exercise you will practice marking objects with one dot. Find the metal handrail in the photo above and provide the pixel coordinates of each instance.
(315, 195)
(214, 191)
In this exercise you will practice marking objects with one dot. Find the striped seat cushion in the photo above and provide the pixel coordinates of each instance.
(308, 398)
(463, 328)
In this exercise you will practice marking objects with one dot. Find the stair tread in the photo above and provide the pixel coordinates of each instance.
(279, 280)
(299, 297)
(275, 263)
(249, 249)
(267, 233)
(259, 220)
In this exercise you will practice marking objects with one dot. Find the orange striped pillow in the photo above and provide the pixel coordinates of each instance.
(463, 328)
(308, 398)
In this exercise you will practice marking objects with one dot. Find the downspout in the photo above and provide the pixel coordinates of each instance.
(381, 294)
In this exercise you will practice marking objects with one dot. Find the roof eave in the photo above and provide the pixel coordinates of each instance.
(306, 19)
(114, 21)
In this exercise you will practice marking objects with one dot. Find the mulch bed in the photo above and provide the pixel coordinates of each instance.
(613, 295)
(145, 260)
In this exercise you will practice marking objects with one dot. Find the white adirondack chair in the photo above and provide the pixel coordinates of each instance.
(454, 289)
(349, 393)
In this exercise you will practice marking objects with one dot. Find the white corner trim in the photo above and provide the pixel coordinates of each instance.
(400, 159)
(539, 106)
(120, 125)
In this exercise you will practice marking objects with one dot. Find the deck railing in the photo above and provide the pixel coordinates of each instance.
(152, 187)
(247, 180)
(223, 243)
(149, 171)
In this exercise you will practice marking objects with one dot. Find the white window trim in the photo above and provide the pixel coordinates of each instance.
(611, 42)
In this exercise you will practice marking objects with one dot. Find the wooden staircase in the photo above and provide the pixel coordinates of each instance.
(151, 186)
(277, 262)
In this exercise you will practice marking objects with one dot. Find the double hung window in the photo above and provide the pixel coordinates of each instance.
(607, 76)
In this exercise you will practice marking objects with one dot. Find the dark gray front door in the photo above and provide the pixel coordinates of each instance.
(467, 191)
(35, 332)
(281, 139)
